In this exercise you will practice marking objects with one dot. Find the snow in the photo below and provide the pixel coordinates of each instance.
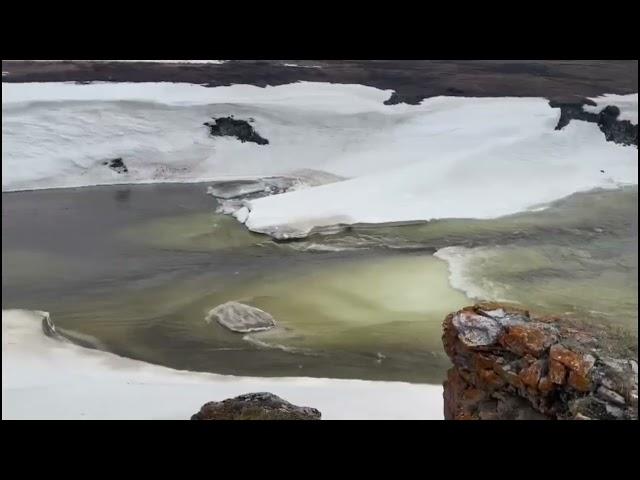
(503, 157)
(628, 105)
(447, 157)
(46, 378)
(58, 135)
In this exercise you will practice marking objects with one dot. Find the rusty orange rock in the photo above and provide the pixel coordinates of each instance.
(490, 378)
(454, 387)
(531, 375)
(579, 382)
(513, 379)
(557, 372)
(472, 396)
(579, 363)
(529, 338)
(485, 361)
(511, 366)
(545, 385)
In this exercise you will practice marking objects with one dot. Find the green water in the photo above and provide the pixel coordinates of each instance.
(365, 303)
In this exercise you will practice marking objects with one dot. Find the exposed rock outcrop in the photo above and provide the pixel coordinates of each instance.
(230, 127)
(510, 365)
(117, 165)
(255, 406)
(241, 318)
(618, 131)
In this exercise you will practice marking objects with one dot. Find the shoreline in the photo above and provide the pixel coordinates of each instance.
(412, 81)
(123, 388)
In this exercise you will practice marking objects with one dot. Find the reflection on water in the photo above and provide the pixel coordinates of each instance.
(365, 303)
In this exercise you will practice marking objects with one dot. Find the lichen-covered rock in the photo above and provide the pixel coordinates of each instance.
(508, 364)
(241, 318)
(528, 338)
(255, 406)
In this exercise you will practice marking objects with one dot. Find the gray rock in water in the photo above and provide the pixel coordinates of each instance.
(255, 406)
(241, 318)
(476, 330)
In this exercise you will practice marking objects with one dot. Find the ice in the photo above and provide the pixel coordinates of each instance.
(464, 278)
(239, 317)
(45, 378)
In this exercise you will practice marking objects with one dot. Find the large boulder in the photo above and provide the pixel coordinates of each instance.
(241, 318)
(511, 365)
(255, 406)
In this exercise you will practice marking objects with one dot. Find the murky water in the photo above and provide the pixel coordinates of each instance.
(135, 270)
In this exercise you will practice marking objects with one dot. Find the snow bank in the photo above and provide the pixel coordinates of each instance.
(59, 134)
(447, 157)
(628, 105)
(46, 378)
(319, 96)
(465, 158)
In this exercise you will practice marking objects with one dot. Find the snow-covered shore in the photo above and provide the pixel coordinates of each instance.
(47, 378)
(447, 157)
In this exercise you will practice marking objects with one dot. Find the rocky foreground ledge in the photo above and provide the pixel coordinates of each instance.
(255, 406)
(511, 365)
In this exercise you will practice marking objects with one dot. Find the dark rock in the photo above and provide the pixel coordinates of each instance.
(255, 406)
(48, 327)
(618, 131)
(397, 98)
(231, 127)
(117, 165)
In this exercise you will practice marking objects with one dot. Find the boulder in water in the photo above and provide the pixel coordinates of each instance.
(241, 318)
